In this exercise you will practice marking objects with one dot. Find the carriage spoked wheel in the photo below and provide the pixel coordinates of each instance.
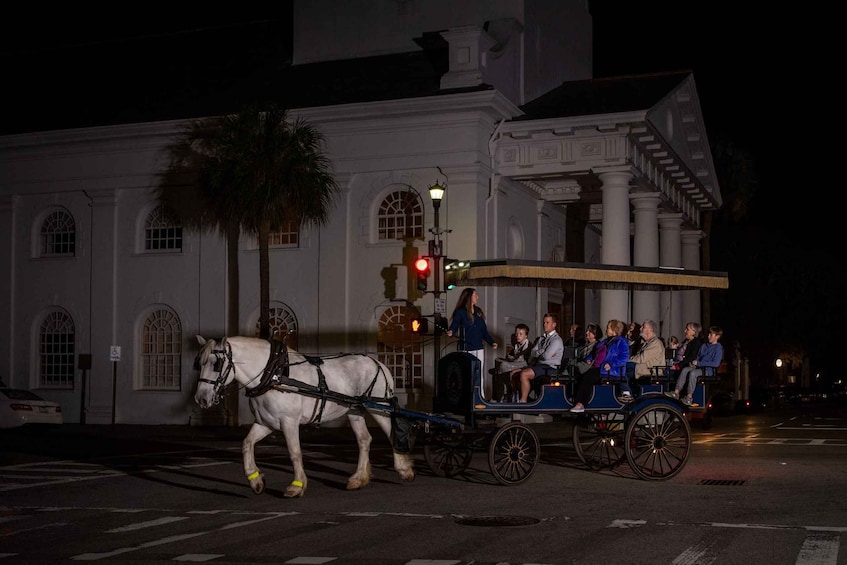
(658, 442)
(513, 453)
(598, 439)
(448, 456)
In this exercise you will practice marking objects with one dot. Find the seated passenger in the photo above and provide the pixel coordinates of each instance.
(671, 349)
(650, 354)
(545, 358)
(710, 355)
(688, 349)
(633, 337)
(516, 359)
(585, 354)
(608, 358)
(574, 342)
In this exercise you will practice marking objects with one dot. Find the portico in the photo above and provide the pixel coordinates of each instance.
(643, 175)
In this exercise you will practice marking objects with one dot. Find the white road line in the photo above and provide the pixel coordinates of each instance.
(103, 474)
(198, 557)
(148, 524)
(624, 524)
(700, 554)
(172, 539)
(819, 549)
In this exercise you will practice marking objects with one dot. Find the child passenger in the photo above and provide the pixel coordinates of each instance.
(516, 359)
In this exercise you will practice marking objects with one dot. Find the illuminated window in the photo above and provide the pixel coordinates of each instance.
(161, 351)
(287, 236)
(400, 216)
(56, 339)
(399, 349)
(58, 234)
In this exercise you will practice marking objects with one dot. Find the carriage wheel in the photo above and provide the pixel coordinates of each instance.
(447, 457)
(658, 441)
(599, 439)
(513, 454)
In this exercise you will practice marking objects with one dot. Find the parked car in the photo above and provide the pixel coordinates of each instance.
(20, 407)
(722, 404)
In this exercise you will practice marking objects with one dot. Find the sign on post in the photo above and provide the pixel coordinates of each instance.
(115, 353)
(440, 305)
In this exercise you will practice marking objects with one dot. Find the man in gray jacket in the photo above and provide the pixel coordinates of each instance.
(545, 357)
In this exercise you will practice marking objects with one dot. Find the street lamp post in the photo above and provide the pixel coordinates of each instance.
(436, 193)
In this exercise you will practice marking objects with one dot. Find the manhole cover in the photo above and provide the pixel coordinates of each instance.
(497, 521)
(723, 482)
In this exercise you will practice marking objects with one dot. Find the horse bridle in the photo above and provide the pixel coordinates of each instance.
(218, 385)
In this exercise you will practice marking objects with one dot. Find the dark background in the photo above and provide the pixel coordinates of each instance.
(761, 75)
(766, 80)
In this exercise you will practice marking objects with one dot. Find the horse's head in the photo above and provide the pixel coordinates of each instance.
(216, 371)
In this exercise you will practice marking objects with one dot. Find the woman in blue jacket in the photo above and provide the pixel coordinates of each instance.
(609, 358)
(468, 323)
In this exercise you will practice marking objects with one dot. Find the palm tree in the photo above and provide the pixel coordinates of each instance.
(250, 172)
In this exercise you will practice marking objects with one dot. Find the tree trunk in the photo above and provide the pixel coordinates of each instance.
(264, 283)
(232, 314)
(232, 278)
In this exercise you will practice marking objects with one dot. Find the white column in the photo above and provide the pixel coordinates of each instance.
(670, 255)
(645, 303)
(614, 303)
(691, 309)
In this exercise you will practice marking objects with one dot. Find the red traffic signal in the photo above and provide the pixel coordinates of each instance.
(422, 272)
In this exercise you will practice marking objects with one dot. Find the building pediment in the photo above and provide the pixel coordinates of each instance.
(651, 126)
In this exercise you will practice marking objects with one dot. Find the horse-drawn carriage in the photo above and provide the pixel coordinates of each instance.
(651, 433)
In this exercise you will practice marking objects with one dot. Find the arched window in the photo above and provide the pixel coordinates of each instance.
(161, 351)
(400, 216)
(58, 235)
(162, 232)
(283, 324)
(56, 338)
(399, 348)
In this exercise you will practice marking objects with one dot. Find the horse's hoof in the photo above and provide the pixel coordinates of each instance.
(258, 485)
(409, 477)
(294, 492)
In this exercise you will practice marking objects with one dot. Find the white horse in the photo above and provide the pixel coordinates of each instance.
(243, 359)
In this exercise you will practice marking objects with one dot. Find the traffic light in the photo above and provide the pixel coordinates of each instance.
(420, 325)
(422, 272)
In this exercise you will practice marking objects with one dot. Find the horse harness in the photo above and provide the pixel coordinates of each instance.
(275, 376)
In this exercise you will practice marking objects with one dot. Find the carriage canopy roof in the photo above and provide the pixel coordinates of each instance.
(515, 272)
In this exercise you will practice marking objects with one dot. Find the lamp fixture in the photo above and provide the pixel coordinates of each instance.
(436, 193)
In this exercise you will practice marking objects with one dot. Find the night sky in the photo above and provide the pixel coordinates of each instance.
(764, 77)
(767, 84)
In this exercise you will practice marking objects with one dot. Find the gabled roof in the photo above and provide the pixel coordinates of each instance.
(602, 96)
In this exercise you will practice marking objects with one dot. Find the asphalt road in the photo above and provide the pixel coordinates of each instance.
(766, 488)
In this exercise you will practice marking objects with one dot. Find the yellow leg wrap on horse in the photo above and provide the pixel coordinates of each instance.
(252, 475)
(297, 484)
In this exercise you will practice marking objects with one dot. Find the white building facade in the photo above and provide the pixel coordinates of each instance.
(532, 170)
